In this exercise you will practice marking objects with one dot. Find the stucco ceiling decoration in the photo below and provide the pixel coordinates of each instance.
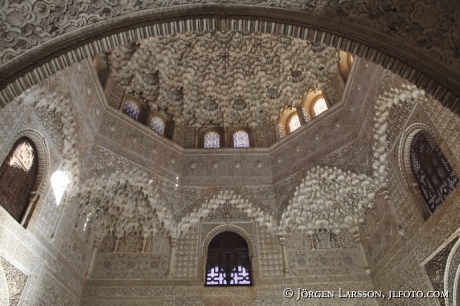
(122, 204)
(222, 78)
(421, 33)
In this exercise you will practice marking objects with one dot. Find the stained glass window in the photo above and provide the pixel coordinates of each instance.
(17, 178)
(131, 109)
(228, 261)
(294, 123)
(211, 140)
(435, 177)
(320, 106)
(157, 125)
(241, 139)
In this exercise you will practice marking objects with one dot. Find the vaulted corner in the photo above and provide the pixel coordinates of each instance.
(219, 163)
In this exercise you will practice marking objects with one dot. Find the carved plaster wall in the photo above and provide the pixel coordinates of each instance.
(47, 253)
(401, 244)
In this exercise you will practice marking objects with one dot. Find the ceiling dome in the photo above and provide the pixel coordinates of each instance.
(223, 78)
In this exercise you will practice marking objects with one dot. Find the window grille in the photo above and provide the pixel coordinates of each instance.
(241, 139)
(228, 261)
(131, 109)
(157, 125)
(212, 140)
(435, 177)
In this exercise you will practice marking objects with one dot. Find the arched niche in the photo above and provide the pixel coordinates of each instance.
(228, 262)
(227, 228)
(350, 31)
(218, 132)
(43, 156)
(43, 171)
(404, 159)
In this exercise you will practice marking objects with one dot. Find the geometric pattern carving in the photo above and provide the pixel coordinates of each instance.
(324, 239)
(135, 265)
(132, 243)
(17, 177)
(435, 269)
(52, 292)
(227, 212)
(186, 255)
(435, 177)
(324, 262)
(270, 260)
(51, 120)
(16, 280)
(241, 139)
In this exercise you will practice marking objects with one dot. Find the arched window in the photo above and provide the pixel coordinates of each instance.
(158, 125)
(435, 177)
(293, 123)
(319, 106)
(241, 139)
(228, 261)
(18, 174)
(131, 109)
(211, 140)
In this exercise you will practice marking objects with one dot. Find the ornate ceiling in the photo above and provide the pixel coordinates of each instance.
(223, 78)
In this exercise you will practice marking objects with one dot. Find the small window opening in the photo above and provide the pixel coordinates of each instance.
(228, 261)
(241, 139)
(212, 140)
(158, 125)
(294, 123)
(131, 109)
(320, 106)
